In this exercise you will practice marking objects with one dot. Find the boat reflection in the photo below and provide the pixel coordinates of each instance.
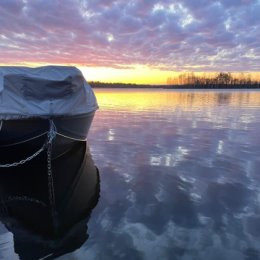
(31, 246)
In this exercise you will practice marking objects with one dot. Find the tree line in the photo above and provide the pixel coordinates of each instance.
(190, 80)
(98, 84)
(220, 80)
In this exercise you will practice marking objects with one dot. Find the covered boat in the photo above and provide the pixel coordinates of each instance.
(48, 180)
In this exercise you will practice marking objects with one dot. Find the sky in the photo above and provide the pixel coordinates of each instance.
(136, 41)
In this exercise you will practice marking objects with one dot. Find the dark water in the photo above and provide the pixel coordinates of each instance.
(180, 177)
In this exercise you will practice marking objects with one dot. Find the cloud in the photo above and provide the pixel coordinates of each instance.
(175, 35)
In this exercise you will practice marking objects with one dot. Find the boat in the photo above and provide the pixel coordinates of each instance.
(48, 179)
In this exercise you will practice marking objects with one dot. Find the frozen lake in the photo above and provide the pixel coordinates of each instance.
(180, 177)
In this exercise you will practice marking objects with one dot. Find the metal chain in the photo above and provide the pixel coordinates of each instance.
(25, 198)
(8, 165)
(50, 177)
(48, 144)
(51, 136)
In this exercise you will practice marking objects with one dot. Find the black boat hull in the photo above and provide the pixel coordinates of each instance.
(49, 193)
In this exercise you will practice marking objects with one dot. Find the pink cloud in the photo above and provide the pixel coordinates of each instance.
(177, 34)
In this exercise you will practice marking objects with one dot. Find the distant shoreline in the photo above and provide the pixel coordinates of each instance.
(133, 86)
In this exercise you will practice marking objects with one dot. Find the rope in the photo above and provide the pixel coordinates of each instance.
(24, 141)
(52, 132)
(50, 136)
(1, 124)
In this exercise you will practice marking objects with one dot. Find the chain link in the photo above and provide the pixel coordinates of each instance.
(50, 177)
(48, 144)
(51, 136)
(8, 165)
(25, 198)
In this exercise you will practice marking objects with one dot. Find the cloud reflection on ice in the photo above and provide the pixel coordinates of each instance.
(179, 177)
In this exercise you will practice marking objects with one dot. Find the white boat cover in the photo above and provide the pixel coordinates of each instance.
(49, 91)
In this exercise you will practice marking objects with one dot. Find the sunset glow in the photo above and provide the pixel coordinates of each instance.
(135, 100)
(132, 41)
(138, 74)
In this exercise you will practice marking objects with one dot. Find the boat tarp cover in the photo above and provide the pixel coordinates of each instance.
(49, 91)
